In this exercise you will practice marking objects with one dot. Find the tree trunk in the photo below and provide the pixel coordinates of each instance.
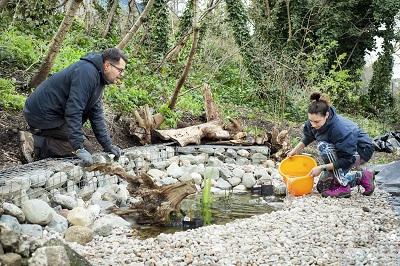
(110, 17)
(145, 123)
(289, 22)
(185, 73)
(133, 13)
(267, 9)
(158, 201)
(212, 112)
(55, 45)
(3, 4)
(194, 134)
(136, 26)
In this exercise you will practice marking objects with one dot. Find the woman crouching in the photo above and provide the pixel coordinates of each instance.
(342, 146)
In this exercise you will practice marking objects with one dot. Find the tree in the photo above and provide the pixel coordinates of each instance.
(110, 17)
(55, 45)
(124, 42)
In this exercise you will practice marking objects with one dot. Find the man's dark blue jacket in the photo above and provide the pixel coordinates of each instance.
(347, 137)
(71, 96)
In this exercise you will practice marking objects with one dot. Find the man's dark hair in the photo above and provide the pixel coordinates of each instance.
(114, 55)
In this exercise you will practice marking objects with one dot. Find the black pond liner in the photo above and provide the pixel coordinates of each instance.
(388, 178)
(263, 190)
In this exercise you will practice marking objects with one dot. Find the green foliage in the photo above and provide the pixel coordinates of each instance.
(126, 99)
(18, 50)
(238, 20)
(206, 201)
(9, 98)
(337, 82)
(157, 40)
(171, 116)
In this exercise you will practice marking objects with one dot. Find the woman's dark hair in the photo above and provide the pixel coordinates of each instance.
(114, 55)
(319, 104)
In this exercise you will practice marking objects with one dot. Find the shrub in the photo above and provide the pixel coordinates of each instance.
(9, 98)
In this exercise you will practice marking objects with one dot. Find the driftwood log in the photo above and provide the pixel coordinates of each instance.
(145, 122)
(158, 202)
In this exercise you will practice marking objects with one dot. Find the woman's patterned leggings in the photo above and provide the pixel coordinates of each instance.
(342, 176)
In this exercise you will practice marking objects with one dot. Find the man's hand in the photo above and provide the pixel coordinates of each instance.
(85, 156)
(114, 150)
(316, 171)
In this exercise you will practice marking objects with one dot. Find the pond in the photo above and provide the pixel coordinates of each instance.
(225, 208)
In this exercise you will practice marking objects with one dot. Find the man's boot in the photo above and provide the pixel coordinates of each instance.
(367, 182)
(337, 191)
(27, 146)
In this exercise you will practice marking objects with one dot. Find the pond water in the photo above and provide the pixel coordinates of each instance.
(225, 208)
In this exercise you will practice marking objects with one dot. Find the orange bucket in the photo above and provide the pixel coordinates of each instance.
(295, 172)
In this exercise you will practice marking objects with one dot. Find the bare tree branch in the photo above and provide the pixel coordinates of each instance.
(136, 26)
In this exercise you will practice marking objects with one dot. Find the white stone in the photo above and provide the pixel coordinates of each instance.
(38, 178)
(248, 180)
(243, 153)
(156, 174)
(174, 170)
(211, 172)
(65, 201)
(234, 181)
(34, 230)
(238, 172)
(196, 178)
(104, 225)
(79, 216)
(37, 211)
(223, 184)
(14, 210)
(168, 180)
(58, 223)
(56, 180)
(10, 222)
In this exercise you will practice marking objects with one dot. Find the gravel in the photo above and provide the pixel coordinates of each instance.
(309, 230)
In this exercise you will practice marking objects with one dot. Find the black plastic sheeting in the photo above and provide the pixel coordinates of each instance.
(388, 179)
(388, 142)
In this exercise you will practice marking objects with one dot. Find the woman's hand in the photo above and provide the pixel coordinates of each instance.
(316, 171)
(291, 153)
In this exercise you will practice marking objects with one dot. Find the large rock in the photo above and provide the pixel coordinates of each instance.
(56, 180)
(258, 158)
(238, 172)
(223, 184)
(10, 259)
(104, 225)
(48, 256)
(79, 216)
(65, 201)
(37, 211)
(38, 178)
(211, 172)
(174, 170)
(8, 237)
(234, 181)
(14, 210)
(74, 173)
(58, 223)
(74, 258)
(34, 230)
(248, 180)
(79, 234)
(11, 222)
(156, 174)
